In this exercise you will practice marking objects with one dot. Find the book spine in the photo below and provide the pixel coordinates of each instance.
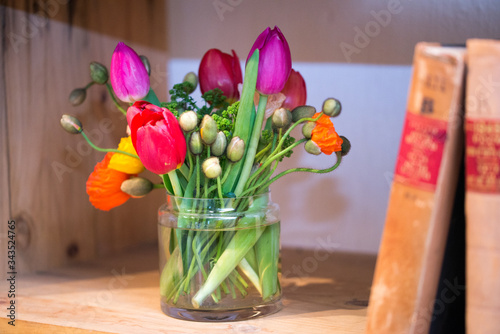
(412, 246)
(482, 201)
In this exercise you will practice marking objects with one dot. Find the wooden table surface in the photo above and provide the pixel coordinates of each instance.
(323, 293)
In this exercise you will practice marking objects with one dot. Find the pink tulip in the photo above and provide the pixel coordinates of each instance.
(275, 61)
(157, 137)
(129, 77)
(295, 91)
(220, 70)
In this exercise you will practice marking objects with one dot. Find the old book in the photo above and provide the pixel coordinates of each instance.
(482, 201)
(422, 193)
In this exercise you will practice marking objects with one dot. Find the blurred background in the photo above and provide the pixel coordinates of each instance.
(359, 52)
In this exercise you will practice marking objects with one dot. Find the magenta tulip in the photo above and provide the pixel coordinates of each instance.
(275, 61)
(157, 138)
(128, 75)
(220, 70)
(295, 91)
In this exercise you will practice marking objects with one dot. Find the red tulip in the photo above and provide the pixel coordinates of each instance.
(157, 137)
(275, 61)
(128, 74)
(295, 91)
(220, 70)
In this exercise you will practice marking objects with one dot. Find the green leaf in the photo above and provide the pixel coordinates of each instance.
(152, 98)
(245, 118)
(267, 252)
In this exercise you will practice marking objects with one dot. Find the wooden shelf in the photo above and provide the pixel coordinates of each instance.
(323, 292)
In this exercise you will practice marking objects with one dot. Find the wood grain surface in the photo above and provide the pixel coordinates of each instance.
(323, 293)
(47, 46)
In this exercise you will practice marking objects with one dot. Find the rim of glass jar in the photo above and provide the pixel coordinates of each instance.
(217, 205)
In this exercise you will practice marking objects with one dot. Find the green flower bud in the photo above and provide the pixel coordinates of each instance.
(312, 148)
(208, 130)
(146, 63)
(307, 129)
(192, 80)
(188, 120)
(211, 168)
(71, 124)
(332, 107)
(219, 146)
(195, 143)
(77, 96)
(302, 112)
(137, 186)
(346, 145)
(98, 73)
(235, 149)
(282, 118)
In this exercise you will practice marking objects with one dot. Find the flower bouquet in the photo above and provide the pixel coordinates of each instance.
(219, 230)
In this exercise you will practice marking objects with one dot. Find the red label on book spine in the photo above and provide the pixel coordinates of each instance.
(421, 151)
(482, 155)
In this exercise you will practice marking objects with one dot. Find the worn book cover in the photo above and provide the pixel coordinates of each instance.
(422, 194)
(482, 201)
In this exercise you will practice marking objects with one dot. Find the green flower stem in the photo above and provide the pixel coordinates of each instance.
(252, 148)
(266, 250)
(294, 125)
(170, 274)
(90, 84)
(310, 170)
(113, 97)
(219, 188)
(172, 175)
(235, 251)
(191, 271)
(200, 264)
(226, 173)
(198, 177)
(100, 149)
(233, 292)
(269, 161)
(249, 272)
(191, 164)
(185, 171)
(237, 284)
(158, 186)
(263, 151)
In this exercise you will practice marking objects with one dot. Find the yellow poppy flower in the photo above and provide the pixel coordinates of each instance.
(125, 163)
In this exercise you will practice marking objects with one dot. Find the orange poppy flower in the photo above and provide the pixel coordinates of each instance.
(103, 186)
(324, 135)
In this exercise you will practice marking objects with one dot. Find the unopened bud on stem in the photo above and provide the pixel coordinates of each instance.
(219, 146)
(195, 143)
(188, 120)
(71, 124)
(332, 107)
(192, 81)
(303, 112)
(346, 145)
(146, 63)
(98, 73)
(235, 149)
(307, 129)
(211, 168)
(312, 148)
(282, 118)
(137, 186)
(208, 130)
(77, 96)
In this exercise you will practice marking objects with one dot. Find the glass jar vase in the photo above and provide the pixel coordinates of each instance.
(219, 258)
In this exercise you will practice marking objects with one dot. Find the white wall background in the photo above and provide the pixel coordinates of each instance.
(343, 210)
